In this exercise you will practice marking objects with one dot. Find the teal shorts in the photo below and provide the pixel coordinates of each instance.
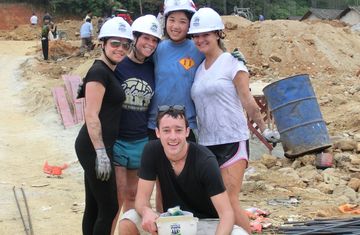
(128, 153)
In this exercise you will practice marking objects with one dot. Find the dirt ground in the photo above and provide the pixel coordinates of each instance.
(31, 130)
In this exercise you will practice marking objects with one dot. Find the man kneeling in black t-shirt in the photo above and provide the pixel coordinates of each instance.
(189, 177)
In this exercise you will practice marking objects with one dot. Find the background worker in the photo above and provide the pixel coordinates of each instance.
(136, 74)
(221, 92)
(33, 19)
(94, 144)
(46, 18)
(189, 177)
(86, 33)
(45, 29)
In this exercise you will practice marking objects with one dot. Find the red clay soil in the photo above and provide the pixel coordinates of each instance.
(14, 15)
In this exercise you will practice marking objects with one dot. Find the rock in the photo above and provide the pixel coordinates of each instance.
(307, 160)
(345, 145)
(296, 164)
(268, 160)
(354, 183)
(345, 191)
(265, 65)
(275, 58)
(331, 176)
(355, 175)
(230, 26)
(358, 147)
(326, 188)
(355, 160)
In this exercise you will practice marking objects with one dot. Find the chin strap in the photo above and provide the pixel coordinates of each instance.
(135, 52)
(108, 59)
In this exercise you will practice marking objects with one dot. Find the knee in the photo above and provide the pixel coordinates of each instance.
(127, 227)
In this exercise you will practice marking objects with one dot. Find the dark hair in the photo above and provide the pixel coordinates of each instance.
(174, 113)
(188, 14)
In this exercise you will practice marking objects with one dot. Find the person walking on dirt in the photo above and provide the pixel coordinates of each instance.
(221, 92)
(33, 19)
(189, 177)
(86, 33)
(136, 73)
(104, 97)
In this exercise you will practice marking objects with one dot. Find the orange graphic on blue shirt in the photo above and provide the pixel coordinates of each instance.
(187, 63)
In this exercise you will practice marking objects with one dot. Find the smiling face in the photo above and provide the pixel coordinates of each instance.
(116, 48)
(172, 132)
(206, 42)
(177, 26)
(146, 44)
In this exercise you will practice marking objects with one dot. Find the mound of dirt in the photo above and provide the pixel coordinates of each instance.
(285, 47)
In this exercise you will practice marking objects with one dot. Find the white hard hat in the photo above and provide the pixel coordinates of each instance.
(178, 5)
(205, 20)
(116, 27)
(147, 24)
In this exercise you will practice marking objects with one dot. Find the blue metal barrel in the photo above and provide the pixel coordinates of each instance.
(297, 115)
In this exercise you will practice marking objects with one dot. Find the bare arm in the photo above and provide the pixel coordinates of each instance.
(94, 95)
(143, 207)
(241, 82)
(223, 207)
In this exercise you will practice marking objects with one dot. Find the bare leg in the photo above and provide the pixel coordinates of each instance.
(127, 227)
(120, 173)
(233, 178)
(130, 189)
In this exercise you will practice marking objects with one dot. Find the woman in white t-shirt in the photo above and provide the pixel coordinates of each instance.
(221, 93)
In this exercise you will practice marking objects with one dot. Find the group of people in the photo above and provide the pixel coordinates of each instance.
(167, 113)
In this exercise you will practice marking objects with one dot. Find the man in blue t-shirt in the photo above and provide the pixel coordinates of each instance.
(86, 32)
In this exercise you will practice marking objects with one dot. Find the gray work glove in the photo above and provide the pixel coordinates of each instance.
(271, 136)
(102, 165)
(238, 55)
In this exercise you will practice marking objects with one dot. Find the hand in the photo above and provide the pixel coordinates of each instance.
(271, 136)
(102, 165)
(238, 55)
(149, 221)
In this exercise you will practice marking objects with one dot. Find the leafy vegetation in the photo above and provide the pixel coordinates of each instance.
(271, 9)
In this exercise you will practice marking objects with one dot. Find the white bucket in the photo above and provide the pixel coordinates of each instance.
(181, 224)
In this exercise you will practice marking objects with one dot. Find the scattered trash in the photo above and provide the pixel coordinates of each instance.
(254, 212)
(258, 220)
(323, 160)
(291, 201)
(54, 170)
(249, 171)
(350, 209)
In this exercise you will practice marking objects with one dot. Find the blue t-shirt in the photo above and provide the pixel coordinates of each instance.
(175, 67)
(86, 30)
(137, 81)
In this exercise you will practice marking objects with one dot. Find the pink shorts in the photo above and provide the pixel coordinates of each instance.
(241, 154)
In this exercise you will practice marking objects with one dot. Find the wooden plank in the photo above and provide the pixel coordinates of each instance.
(63, 106)
(72, 83)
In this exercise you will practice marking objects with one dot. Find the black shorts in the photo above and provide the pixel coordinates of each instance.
(225, 152)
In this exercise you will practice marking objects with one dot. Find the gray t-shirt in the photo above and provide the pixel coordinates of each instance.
(220, 114)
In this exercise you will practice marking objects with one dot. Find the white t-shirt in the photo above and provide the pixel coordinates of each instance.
(33, 19)
(220, 114)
